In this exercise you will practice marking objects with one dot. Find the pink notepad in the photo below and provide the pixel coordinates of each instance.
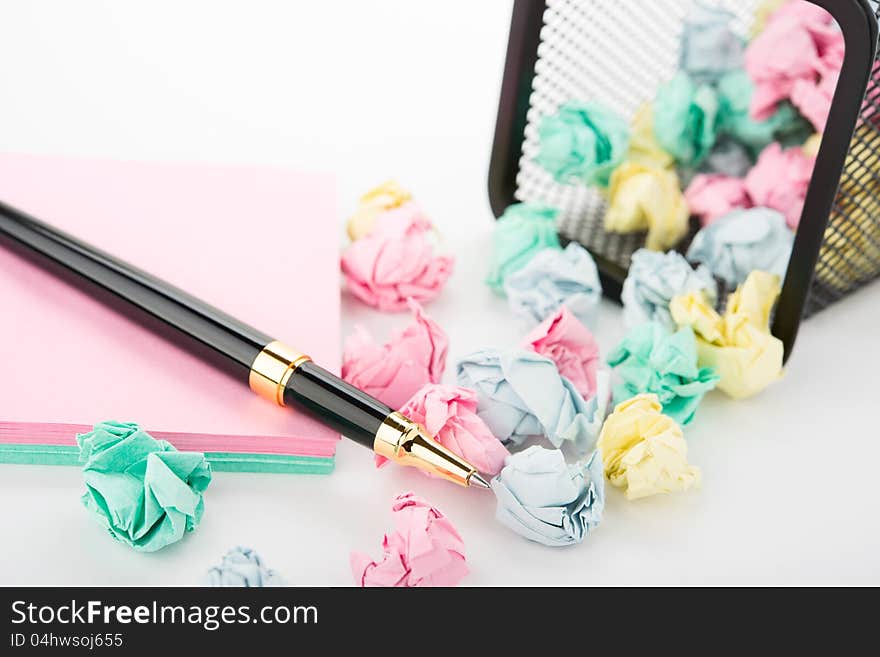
(257, 242)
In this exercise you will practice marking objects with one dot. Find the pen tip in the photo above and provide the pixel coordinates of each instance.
(476, 480)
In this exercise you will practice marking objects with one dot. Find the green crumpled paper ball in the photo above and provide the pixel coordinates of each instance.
(786, 126)
(145, 492)
(523, 230)
(686, 119)
(652, 359)
(582, 142)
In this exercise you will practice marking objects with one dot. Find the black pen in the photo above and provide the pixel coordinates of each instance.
(271, 368)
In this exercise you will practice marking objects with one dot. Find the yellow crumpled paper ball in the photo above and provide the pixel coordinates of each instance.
(811, 146)
(644, 451)
(387, 196)
(763, 13)
(644, 197)
(643, 145)
(739, 345)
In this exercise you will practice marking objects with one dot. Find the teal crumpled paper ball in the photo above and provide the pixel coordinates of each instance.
(652, 359)
(582, 142)
(786, 125)
(523, 230)
(145, 492)
(686, 119)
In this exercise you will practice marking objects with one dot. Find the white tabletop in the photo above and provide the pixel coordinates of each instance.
(378, 89)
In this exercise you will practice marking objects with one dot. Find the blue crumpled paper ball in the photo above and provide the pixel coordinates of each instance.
(554, 278)
(145, 492)
(709, 47)
(582, 142)
(651, 359)
(741, 241)
(654, 279)
(727, 157)
(541, 497)
(522, 231)
(521, 394)
(242, 566)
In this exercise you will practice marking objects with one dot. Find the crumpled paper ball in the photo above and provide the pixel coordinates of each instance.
(396, 261)
(728, 157)
(521, 394)
(582, 142)
(387, 196)
(449, 413)
(738, 346)
(643, 146)
(523, 230)
(552, 279)
(686, 119)
(812, 145)
(567, 342)
(546, 500)
(424, 550)
(393, 372)
(711, 196)
(654, 279)
(709, 47)
(814, 99)
(780, 181)
(800, 47)
(753, 301)
(142, 490)
(763, 13)
(647, 198)
(644, 450)
(741, 241)
(242, 566)
(651, 359)
(784, 124)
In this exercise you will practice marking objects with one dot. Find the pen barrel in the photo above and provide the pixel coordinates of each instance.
(332, 401)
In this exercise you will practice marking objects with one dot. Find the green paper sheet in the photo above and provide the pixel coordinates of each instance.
(220, 461)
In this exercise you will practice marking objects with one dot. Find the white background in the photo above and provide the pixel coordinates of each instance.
(377, 89)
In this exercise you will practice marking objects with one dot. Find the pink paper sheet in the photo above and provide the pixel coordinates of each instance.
(259, 243)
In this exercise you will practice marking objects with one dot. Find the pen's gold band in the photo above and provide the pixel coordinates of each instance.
(272, 369)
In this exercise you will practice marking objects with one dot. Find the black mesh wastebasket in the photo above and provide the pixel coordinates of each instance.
(617, 53)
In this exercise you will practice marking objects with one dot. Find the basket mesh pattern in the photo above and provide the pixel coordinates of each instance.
(618, 53)
(850, 254)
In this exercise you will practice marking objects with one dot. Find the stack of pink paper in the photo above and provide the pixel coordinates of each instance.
(259, 243)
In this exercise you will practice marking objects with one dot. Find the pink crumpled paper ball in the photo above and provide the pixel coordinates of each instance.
(780, 180)
(710, 196)
(393, 372)
(813, 99)
(396, 261)
(567, 342)
(798, 56)
(449, 413)
(424, 550)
